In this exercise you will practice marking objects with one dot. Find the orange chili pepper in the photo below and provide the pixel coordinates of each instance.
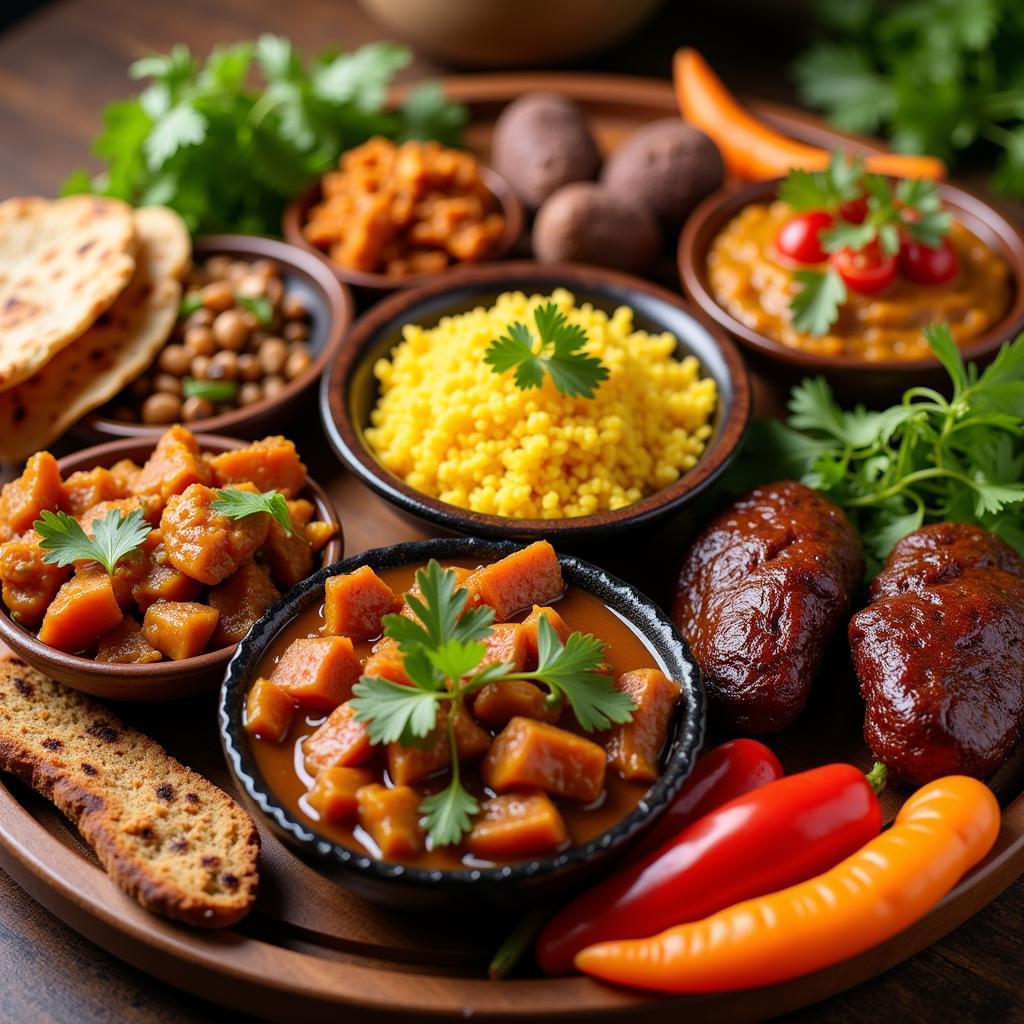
(750, 148)
(941, 832)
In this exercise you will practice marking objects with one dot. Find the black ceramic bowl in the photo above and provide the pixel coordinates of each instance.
(509, 886)
(348, 390)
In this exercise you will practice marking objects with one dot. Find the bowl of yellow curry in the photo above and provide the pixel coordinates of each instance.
(526, 400)
(838, 272)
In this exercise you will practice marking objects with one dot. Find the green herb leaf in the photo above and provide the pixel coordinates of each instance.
(559, 352)
(259, 305)
(214, 390)
(823, 190)
(113, 537)
(190, 303)
(816, 306)
(448, 814)
(238, 504)
(394, 713)
(940, 341)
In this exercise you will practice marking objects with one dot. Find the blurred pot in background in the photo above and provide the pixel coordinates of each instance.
(507, 33)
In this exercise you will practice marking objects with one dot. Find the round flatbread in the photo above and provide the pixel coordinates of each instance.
(62, 263)
(113, 352)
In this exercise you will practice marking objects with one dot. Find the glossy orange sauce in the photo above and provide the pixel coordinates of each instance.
(283, 765)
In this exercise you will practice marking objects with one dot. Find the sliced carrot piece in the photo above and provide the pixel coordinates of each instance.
(387, 662)
(528, 754)
(392, 818)
(272, 464)
(496, 704)
(175, 464)
(179, 629)
(530, 624)
(39, 487)
(410, 764)
(633, 747)
(289, 558)
(355, 602)
(241, 600)
(84, 609)
(340, 742)
(125, 645)
(515, 826)
(506, 645)
(318, 672)
(86, 488)
(27, 583)
(268, 711)
(526, 577)
(334, 793)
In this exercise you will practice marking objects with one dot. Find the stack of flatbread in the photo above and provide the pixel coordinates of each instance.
(89, 292)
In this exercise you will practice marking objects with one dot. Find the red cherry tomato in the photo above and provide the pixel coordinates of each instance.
(799, 238)
(869, 271)
(854, 210)
(925, 265)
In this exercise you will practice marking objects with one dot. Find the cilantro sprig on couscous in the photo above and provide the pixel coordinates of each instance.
(450, 427)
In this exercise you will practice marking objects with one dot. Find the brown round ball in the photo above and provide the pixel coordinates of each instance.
(223, 366)
(197, 367)
(249, 367)
(161, 407)
(168, 383)
(231, 329)
(296, 331)
(293, 306)
(298, 361)
(273, 385)
(249, 393)
(542, 142)
(583, 223)
(218, 296)
(196, 408)
(668, 166)
(200, 341)
(273, 354)
(175, 359)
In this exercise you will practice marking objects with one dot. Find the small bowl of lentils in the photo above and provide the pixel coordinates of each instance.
(259, 321)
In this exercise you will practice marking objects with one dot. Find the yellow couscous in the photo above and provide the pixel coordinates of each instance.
(450, 427)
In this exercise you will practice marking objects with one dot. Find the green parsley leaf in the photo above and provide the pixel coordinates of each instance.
(259, 305)
(816, 306)
(940, 341)
(190, 303)
(428, 114)
(394, 713)
(214, 390)
(113, 537)
(848, 236)
(237, 504)
(559, 352)
(823, 190)
(448, 814)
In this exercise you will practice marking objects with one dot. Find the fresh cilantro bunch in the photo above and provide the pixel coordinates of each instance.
(910, 209)
(939, 76)
(557, 351)
(228, 154)
(924, 460)
(442, 649)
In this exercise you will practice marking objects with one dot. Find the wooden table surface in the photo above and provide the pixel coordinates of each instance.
(57, 69)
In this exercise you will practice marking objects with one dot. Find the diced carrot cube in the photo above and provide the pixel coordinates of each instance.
(506, 645)
(125, 473)
(496, 704)
(84, 609)
(125, 645)
(526, 577)
(355, 603)
(340, 742)
(268, 711)
(241, 600)
(409, 764)
(27, 583)
(175, 465)
(162, 582)
(334, 793)
(202, 542)
(318, 672)
(392, 818)
(530, 626)
(634, 746)
(149, 505)
(300, 511)
(387, 662)
(319, 534)
(128, 573)
(289, 558)
(272, 464)
(38, 488)
(515, 826)
(528, 754)
(84, 489)
(179, 629)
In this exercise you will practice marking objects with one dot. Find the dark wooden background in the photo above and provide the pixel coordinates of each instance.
(58, 66)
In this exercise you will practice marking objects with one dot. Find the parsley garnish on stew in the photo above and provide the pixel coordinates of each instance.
(238, 504)
(113, 537)
(557, 350)
(443, 647)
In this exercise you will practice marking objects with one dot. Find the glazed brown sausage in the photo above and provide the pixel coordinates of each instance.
(940, 654)
(761, 594)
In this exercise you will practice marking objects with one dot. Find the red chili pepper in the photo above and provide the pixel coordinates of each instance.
(766, 840)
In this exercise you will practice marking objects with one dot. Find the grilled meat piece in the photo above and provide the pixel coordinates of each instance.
(760, 595)
(939, 653)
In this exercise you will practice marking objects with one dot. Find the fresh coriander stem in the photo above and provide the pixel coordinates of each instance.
(519, 940)
(907, 481)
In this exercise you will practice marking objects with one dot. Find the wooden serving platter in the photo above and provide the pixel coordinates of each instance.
(313, 952)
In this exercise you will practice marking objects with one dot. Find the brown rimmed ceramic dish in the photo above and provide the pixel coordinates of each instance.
(854, 378)
(331, 309)
(466, 890)
(297, 213)
(163, 680)
(349, 391)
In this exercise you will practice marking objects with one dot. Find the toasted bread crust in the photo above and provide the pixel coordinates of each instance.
(165, 835)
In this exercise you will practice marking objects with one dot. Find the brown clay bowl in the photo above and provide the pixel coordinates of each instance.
(853, 378)
(331, 309)
(163, 680)
(297, 213)
(348, 391)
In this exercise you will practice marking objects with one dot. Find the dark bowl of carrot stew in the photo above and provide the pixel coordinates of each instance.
(572, 706)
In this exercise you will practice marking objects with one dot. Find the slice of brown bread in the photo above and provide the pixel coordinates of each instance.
(164, 834)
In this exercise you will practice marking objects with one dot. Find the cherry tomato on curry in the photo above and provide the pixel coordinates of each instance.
(854, 210)
(927, 265)
(800, 238)
(868, 271)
